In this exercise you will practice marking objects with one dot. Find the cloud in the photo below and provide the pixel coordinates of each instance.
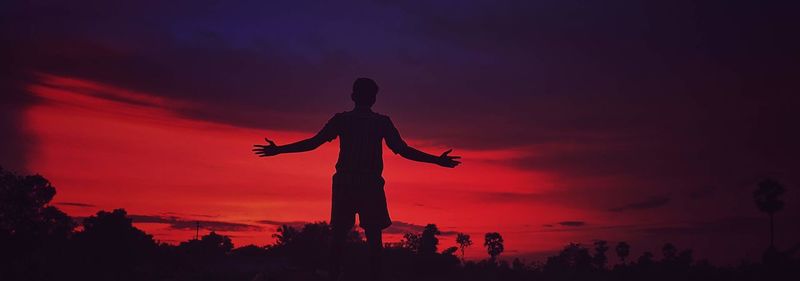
(293, 224)
(650, 203)
(752, 226)
(508, 197)
(185, 223)
(635, 92)
(76, 204)
(572, 223)
(188, 215)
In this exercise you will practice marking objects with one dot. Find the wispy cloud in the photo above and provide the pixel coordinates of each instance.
(650, 203)
(293, 224)
(572, 223)
(185, 223)
(75, 204)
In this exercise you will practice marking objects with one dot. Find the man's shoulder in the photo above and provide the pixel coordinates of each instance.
(345, 114)
(384, 119)
(381, 116)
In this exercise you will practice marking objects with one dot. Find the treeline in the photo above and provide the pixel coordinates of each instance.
(40, 242)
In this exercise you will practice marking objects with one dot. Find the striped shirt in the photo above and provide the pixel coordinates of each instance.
(360, 134)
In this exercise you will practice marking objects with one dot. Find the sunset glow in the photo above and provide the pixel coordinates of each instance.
(110, 148)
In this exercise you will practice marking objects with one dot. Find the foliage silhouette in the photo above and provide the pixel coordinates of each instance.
(450, 251)
(412, 242)
(623, 250)
(646, 258)
(494, 244)
(428, 241)
(600, 248)
(29, 225)
(767, 199)
(208, 248)
(284, 235)
(107, 234)
(574, 258)
(669, 252)
(463, 240)
(110, 247)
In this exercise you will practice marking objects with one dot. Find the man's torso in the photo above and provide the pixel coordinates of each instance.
(360, 142)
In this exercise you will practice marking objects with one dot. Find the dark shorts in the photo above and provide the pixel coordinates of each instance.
(360, 194)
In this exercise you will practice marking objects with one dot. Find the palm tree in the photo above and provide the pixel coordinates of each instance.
(669, 251)
(463, 241)
(623, 250)
(599, 258)
(494, 244)
(766, 199)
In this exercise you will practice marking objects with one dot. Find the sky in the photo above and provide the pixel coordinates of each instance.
(576, 120)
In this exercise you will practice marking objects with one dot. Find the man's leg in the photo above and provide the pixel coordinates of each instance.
(338, 240)
(375, 243)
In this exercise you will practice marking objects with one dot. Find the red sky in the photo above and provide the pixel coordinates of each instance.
(107, 147)
(113, 148)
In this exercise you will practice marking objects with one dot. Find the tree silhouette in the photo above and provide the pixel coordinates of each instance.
(599, 259)
(316, 235)
(114, 248)
(494, 244)
(411, 241)
(114, 229)
(645, 259)
(428, 240)
(463, 241)
(685, 257)
(573, 258)
(25, 211)
(669, 252)
(32, 232)
(210, 248)
(450, 251)
(623, 250)
(303, 246)
(220, 242)
(110, 247)
(284, 235)
(766, 197)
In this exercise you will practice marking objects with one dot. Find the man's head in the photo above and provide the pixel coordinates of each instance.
(364, 92)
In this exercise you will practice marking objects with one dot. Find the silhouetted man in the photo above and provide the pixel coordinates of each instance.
(357, 184)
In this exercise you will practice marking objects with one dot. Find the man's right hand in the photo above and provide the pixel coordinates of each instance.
(266, 150)
(448, 161)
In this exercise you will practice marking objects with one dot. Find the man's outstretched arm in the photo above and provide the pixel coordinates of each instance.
(444, 160)
(328, 133)
(301, 146)
(396, 144)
